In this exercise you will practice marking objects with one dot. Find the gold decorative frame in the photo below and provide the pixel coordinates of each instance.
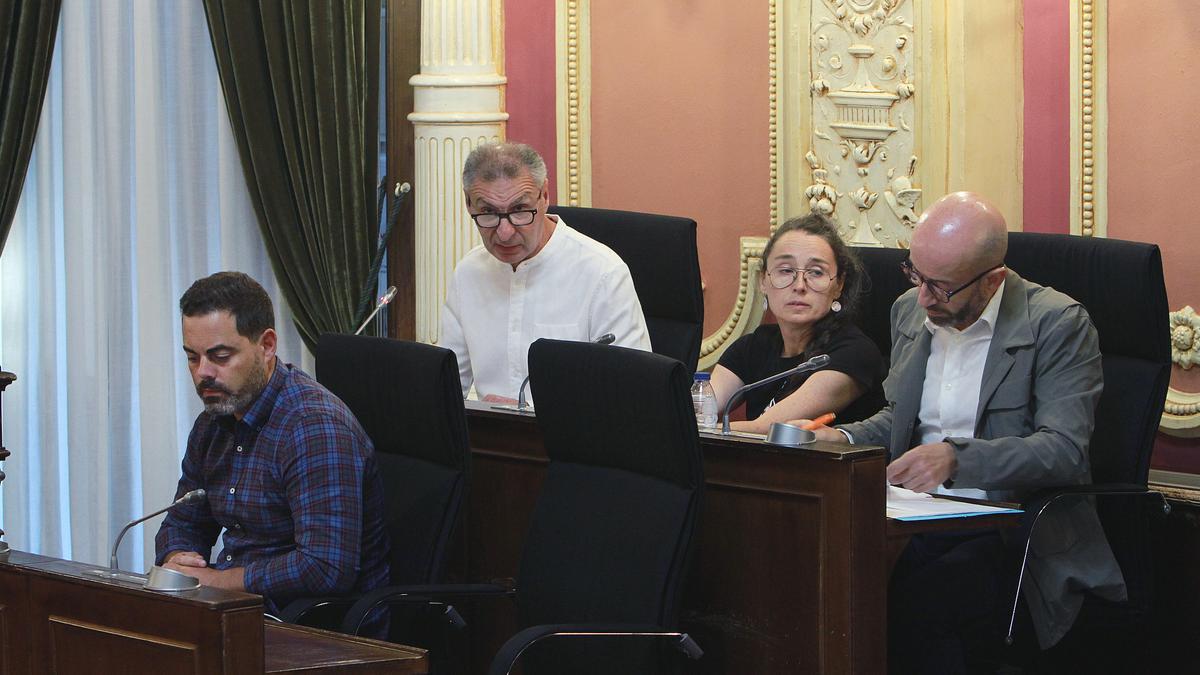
(1089, 118)
(574, 121)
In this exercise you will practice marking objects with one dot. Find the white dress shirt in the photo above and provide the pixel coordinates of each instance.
(953, 377)
(575, 288)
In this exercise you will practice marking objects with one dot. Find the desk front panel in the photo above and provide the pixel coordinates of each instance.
(789, 573)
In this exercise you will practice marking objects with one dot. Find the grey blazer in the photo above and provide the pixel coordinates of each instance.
(1036, 412)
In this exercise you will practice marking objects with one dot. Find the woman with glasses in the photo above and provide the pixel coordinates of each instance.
(811, 281)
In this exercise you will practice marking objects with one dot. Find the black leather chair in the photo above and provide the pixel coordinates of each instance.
(612, 532)
(661, 254)
(407, 397)
(1121, 285)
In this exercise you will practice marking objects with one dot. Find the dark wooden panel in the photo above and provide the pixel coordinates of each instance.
(14, 632)
(58, 616)
(299, 649)
(790, 573)
(85, 648)
(403, 60)
(749, 617)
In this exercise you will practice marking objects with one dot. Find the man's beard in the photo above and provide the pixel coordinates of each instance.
(948, 319)
(235, 401)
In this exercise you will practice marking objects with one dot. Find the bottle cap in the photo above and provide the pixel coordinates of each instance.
(703, 377)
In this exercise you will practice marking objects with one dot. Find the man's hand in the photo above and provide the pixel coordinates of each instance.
(496, 398)
(182, 561)
(924, 467)
(823, 432)
(194, 565)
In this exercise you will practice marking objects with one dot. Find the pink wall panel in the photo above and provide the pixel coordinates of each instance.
(1047, 144)
(680, 123)
(1152, 163)
(529, 58)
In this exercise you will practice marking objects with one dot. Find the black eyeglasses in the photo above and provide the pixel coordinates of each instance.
(817, 279)
(941, 294)
(515, 218)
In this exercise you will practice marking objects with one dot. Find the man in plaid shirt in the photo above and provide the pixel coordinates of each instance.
(289, 473)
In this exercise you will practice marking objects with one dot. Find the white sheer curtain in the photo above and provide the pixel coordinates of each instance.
(134, 191)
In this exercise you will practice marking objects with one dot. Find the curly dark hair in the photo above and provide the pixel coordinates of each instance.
(233, 292)
(849, 270)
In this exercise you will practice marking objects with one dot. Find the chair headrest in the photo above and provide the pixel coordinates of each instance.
(615, 407)
(1119, 282)
(660, 252)
(406, 395)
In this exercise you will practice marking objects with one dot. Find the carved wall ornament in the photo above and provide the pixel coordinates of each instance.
(862, 92)
(1185, 338)
(822, 198)
(1181, 412)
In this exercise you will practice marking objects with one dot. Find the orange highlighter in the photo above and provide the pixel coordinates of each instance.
(819, 422)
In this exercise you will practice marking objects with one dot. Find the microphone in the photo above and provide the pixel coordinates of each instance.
(606, 339)
(189, 498)
(816, 362)
(383, 302)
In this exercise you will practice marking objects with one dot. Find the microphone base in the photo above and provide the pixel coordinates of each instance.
(170, 581)
(508, 407)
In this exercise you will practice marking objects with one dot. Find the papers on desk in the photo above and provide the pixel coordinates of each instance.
(905, 504)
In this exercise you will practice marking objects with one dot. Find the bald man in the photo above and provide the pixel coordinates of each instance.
(992, 394)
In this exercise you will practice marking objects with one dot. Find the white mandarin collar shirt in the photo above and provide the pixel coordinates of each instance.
(953, 377)
(575, 288)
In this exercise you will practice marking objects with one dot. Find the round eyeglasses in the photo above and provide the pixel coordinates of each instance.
(940, 294)
(515, 218)
(817, 279)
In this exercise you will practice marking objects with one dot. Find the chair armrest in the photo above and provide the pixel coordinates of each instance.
(424, 594)
(297, 608)
(507, 657)
(1037, 505)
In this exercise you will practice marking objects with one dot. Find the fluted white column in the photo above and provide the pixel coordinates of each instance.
(458, 104)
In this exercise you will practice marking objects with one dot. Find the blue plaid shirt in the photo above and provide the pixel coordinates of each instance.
(294, 485)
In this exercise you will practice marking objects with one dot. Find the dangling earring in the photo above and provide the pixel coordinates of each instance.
(765, 305)
(835, 306)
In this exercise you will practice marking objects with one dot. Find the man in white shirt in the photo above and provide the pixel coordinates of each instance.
(991, 393)
(533, 277)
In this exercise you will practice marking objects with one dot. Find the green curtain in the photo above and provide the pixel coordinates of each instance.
(301, 82)
(27, 32)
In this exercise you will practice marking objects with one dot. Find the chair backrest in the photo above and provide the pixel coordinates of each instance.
(407, 397)
(884, 283)
(661, 254)
(612, 531)
(1121, 285)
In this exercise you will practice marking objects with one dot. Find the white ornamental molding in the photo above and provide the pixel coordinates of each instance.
(573, 70)
(458, 104)
(1089, 118)
(1181, 413)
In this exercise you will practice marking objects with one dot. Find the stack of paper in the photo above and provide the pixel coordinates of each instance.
(905, 504)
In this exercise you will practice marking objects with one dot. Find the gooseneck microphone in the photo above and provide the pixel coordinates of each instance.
(383, 302)
(189, 498)
(606, 339)
(816, 362)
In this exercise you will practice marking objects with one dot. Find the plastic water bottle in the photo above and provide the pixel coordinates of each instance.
(705, 401)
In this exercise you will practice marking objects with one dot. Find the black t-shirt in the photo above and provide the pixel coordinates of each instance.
(758, 355)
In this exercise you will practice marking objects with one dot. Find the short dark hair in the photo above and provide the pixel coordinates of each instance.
(849, 270)
(491, 161)
(233, 292)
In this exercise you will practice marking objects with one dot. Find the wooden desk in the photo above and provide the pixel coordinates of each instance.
(56, 617)
(790, 574)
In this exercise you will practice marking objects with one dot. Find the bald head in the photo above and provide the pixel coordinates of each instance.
(958, 248)
(961, 231)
